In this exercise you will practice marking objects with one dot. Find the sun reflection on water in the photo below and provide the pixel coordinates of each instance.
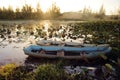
(46, 25)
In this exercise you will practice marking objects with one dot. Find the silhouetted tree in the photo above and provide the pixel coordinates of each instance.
(1, 13)
(119, 11)
(53, 12)
(18, 13)
(101, 13)
(102, 10)
(86, 13)
(10, 13)
(27, 12)
(38, 13)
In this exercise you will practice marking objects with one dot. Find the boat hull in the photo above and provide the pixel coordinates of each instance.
(66, 52)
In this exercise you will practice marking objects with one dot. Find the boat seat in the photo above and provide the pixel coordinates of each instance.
(60, 53)
(42, 51)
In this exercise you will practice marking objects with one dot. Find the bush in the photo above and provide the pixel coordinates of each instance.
(22, 73)
(49, 72)
(6, 71)
(12, 72)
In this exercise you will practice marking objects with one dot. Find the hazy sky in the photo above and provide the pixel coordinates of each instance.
(111, 6)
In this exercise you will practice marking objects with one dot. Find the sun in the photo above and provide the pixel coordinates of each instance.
(45, 4)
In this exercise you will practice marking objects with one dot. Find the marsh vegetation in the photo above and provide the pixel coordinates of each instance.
(18, 34)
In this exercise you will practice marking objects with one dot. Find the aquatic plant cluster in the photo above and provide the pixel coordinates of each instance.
(98, 32)
(103, 32)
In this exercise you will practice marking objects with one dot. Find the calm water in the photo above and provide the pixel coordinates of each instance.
(15, 35)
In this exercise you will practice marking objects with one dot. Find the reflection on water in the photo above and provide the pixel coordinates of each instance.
(12, 53)
(14, 35)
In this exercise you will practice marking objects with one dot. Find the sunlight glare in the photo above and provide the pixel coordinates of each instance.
(46, 25)
(45, 4)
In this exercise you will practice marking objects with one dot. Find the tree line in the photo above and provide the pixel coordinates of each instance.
(28, 12)
(88, 14)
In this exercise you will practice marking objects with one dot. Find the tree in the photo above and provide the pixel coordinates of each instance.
(101, 13)
(27, 12)
(53, 12)
(18, 13)
(10, 13)
(38, 13)
(1, 12)
(87, 13)
(7, 13)
(119, 11)
(102, 10)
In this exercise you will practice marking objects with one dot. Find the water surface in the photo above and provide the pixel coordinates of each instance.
(12, 44)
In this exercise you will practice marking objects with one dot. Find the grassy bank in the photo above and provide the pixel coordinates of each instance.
(56, 72)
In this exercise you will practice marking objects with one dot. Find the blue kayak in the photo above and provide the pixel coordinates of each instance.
(68, 52)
